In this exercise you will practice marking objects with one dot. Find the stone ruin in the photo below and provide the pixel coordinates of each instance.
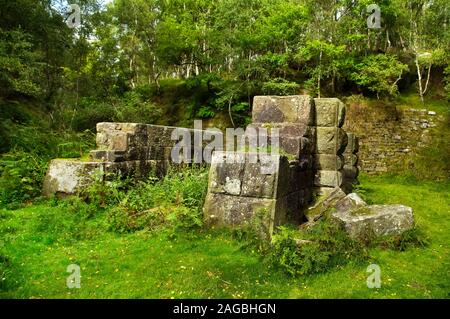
(312, 173)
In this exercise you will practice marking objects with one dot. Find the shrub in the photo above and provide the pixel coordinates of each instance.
(294, 259)
(319, 248)
(280, 86)
(22, 169)
(255, 233)
(174, 202)
(302, 251)
(21, 175)
(135, 108)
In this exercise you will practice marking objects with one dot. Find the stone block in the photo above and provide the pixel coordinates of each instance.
(256, 184)
(328, 162)
(228, 210)
(112, 141)
(226, 173)
(293, 139)
(378, 220)
(350, 202)
(330, 140)
(279, 109)
(68, 177)
(328, 178)
(330, 112)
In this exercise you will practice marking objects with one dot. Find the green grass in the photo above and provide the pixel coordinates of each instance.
(211, 264)
(411, 100)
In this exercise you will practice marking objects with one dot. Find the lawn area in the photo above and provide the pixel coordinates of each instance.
(213, 264)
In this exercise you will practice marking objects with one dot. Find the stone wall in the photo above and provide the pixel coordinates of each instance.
(238, 190)
(311, 142)
(128, 149)
(389, 136)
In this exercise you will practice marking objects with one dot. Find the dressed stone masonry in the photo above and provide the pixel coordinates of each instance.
(237, 192)
(315, 157)
(128, 149)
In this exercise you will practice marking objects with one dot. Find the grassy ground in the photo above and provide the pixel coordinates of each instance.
(212, 264)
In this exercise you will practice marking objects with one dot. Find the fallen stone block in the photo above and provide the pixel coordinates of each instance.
(330, 112)
(376, 221)
(324, 203)
(279, 109)
(350, 202)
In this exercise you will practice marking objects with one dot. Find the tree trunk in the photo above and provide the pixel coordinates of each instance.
(419, 75)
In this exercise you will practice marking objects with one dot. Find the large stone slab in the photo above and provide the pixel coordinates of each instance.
(71, 176)
(377, 220)
(330, 112)
(279, 109)
(324, 203)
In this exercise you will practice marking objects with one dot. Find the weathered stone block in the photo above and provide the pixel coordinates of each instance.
(293, 139)
(229, 210)
(330, 140)
(278, 109)
(328, 178)
(70, 176)
(377, 220)
(350, 202)
(226, 174)
(112, 140)
(326, 201)
(328, 162)
(255, 184)
(329, 112)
